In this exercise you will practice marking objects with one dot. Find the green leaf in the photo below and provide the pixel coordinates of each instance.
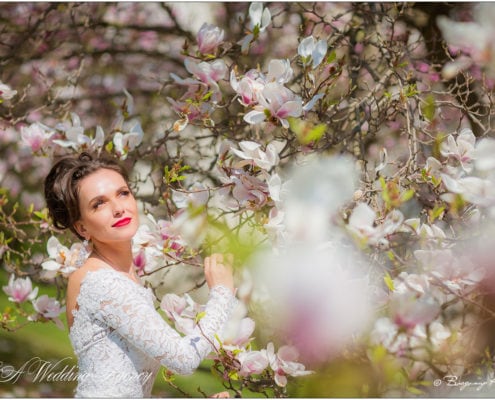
(305, 131)
(428, 107)
(389, 282)
(407, 195)
(332, 56)
(199, 316)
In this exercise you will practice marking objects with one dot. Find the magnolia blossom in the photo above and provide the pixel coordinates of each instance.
(75, 137)
(473, 189)
(153, 241)
(474, 38)
(362, 225)
(36, 136)
(483, 155)
(426, 231)
(237, 334)
(284, 363)
(252, 153)
(250, 191)
(126, 142)
(312, 51)
(460, 149)
(279, 71)
(318, 297)
(457, 274)
(182, 311)
(6, 92)
(48, 308)
(252, 362)
(62, 260)
(208, 73)
(276, 102)
(20, 289)
(249, 87)
(260, 18)
(209, 38)
(411, 283)
(409, 309)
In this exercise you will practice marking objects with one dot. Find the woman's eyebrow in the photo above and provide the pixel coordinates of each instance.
(101, 196)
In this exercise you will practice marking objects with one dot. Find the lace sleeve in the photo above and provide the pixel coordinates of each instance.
(122, 307)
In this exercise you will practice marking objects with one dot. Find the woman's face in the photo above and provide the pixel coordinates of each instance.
(108, 208)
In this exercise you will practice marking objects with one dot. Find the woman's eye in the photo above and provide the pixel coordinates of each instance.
(125, 192)
(97, 204)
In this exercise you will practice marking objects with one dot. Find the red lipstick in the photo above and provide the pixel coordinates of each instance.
(121, 222)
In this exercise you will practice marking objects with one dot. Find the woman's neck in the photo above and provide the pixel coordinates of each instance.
(118, 256)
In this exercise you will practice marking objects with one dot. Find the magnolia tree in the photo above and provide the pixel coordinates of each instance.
(341, 152)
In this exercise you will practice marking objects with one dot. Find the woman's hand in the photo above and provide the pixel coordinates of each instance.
(218, 270)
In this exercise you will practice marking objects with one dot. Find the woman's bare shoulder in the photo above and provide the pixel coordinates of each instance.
(77, 276)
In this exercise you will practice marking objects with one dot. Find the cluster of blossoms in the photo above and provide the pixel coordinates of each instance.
(39, 138)
(20, 291)
(185, 314)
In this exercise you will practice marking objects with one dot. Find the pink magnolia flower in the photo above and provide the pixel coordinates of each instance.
(249, 87)
(182, 311)
(48, 308)
(284, 363)
(252, 362)
(36, 136)
(249, 191)
(208, 73)
(209, 38)
(20, 289)
(6, 93)
(410, 309)
(276, 102)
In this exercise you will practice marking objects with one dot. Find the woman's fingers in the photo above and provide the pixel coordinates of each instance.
(218, 270)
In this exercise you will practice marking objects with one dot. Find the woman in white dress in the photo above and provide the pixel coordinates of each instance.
(117, 334)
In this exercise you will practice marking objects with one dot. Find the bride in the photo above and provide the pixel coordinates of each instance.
(118, 336)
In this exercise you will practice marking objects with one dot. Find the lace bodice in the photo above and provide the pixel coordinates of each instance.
(121, 340)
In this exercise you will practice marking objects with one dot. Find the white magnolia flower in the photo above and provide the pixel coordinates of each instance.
(126, 142)
(251, 152)
(6, 92)
(260, 18)
(461, 149)
(312, 51)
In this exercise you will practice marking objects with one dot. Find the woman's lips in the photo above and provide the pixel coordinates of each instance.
(121, 222)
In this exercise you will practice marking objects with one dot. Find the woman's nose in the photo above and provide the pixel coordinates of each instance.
(118, 210)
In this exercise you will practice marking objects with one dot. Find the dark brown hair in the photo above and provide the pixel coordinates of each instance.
(62, 186)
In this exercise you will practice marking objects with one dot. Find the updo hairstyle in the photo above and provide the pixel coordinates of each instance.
(62, 186)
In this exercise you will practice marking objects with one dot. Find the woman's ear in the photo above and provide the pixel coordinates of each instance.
(80, 229)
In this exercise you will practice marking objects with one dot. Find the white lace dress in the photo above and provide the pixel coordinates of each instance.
(121, 340)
